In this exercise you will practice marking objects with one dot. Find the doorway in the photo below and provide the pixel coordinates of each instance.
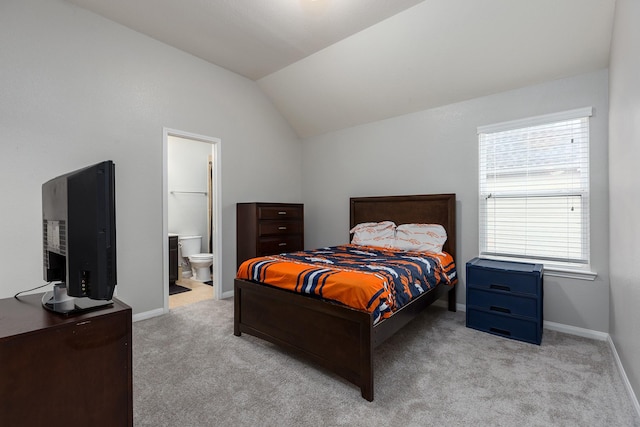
(192, 208)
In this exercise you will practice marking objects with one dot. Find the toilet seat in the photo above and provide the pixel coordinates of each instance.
(200, 257)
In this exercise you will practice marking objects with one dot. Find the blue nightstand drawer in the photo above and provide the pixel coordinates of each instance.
(507, 281)
(504, 325)
(504, 303)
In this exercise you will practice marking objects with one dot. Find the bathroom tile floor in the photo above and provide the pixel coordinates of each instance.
(199, 291)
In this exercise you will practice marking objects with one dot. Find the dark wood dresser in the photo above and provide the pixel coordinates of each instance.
(505, 298)
(58, 370)
(267, 229)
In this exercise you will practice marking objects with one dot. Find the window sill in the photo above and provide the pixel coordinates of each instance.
(571, 274)
(554, 270)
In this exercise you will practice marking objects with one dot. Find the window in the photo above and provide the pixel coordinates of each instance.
(534, 189)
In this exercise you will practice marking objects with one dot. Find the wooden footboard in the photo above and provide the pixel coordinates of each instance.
(333, 336)
(336, 337)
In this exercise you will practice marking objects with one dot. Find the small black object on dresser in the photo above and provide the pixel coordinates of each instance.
(268, 229)
(505, 298)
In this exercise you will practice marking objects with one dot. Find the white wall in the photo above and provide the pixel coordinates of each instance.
(436, 151)
(76, 89)
(624, 189)
(187, 167)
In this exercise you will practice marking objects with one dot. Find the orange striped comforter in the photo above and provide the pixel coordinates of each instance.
(373, 279)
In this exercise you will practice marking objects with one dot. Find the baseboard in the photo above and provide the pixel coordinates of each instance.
(623, 374)
(159, 311)
(552, 326)
(574, 330)
(444, 302)
(148, 314)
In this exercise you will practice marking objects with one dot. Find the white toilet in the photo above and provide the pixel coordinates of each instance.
(198, 263)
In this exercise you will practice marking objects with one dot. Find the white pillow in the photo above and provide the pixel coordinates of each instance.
(374, 234)
(420, 237)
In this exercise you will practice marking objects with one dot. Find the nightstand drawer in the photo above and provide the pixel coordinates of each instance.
(507, 281)
(504, 325)
(279, 212)
(499, 302)
(271, 228)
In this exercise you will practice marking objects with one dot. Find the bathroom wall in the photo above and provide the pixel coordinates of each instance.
(187, 167)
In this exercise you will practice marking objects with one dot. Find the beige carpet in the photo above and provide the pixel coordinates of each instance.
(190, 370)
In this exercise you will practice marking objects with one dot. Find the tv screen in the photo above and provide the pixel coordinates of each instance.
(79, 231)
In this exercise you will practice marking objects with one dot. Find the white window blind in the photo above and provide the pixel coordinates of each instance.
(534, 188)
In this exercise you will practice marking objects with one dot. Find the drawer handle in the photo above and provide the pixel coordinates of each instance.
(500, 309)
(282, 244)
(500, 287)
(282, 228)
(500, 331)
(282, 212)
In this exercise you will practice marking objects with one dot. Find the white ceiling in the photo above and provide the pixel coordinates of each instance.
(331, 64)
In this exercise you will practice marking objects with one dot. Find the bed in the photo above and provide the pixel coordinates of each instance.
(339, 338)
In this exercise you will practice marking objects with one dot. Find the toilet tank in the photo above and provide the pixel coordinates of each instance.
(189, 245)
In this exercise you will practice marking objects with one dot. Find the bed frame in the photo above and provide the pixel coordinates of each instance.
(340, 338)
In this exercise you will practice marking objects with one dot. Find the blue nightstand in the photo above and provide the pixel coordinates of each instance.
(505, 298)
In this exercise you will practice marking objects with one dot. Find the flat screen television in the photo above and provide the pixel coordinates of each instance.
(79, 239)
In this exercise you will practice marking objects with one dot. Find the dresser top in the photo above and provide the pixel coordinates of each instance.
(506, 265)
(269, 203)
(26, 314)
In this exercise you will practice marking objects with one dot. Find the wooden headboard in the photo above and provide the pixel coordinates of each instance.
(426, 209)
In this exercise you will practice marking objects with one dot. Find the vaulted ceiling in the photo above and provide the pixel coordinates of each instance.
(332, 64)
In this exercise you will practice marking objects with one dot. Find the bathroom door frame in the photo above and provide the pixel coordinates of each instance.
(217, 206)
